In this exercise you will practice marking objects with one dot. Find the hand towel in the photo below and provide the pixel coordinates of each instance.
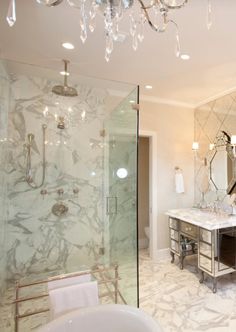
(68, 281)
(72, 297)
(179, 182)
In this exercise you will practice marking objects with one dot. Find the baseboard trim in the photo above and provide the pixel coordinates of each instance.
(143, 243)
(162, 254)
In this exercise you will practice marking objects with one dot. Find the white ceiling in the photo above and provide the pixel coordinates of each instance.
(39, 31)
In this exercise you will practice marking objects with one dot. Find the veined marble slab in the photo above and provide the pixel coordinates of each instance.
(204, 219)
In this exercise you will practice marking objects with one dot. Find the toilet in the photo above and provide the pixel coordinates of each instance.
(147, 233)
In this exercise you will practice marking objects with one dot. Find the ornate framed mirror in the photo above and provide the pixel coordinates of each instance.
(223, 164)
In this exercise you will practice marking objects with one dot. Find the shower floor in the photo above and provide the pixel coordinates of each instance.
(177, 300)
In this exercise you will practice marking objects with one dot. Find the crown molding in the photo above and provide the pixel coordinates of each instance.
(164, 101)
(216, 96)
(171, 102)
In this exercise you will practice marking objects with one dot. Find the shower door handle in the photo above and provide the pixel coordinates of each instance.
(111, 205)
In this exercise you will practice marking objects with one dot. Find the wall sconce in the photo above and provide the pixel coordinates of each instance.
(195, 148)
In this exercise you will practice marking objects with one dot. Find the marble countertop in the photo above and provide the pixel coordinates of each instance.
(204, 219)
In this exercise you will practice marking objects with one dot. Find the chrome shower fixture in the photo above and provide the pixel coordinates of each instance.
(28, 145)
(65, 90)
(61, 122)
(49, 3)
(60, 209)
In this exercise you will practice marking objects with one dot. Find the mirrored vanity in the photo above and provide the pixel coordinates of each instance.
(209, 236)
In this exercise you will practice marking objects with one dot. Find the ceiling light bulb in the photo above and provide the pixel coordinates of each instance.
(68, 46)
(148, 87)
(185, 57)
(64, 73)
(132, 101)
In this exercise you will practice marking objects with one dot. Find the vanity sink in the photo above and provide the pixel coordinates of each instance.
(103, 318)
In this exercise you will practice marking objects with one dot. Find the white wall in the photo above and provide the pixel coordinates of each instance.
(174, 127)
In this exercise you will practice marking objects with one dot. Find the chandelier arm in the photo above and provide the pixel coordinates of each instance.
(175, 24)
(164, 3)
(153, 26)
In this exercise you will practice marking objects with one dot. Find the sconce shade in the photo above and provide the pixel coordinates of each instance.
(211, 146)
(195, 146)
(233, 140)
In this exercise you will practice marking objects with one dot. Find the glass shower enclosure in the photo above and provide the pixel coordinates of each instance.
(68, 190)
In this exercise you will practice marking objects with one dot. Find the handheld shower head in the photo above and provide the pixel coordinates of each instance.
(65, 90)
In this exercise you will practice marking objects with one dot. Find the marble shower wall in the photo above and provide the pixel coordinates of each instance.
(209, 120)
(4, 106)
(39, 243)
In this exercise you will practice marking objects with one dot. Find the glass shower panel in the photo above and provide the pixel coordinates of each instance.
(121, 202)
(4, 105)
(64, 225)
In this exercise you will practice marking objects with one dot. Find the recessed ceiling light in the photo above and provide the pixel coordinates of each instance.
(64, 73)
(132, 101)
(185, 57)
(148, 87)
(68, 46)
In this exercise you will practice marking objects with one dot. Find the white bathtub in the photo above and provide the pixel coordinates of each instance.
(103, 318)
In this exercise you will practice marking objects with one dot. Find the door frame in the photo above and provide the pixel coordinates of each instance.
(152, 190)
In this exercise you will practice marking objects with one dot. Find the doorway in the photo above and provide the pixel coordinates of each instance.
(143, 193)
(147, 184)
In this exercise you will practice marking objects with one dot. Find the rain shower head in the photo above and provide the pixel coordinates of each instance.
(65, 90)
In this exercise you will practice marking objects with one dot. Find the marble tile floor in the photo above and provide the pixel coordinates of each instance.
(177, 300)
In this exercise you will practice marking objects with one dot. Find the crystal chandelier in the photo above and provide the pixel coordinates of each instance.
(155, 13)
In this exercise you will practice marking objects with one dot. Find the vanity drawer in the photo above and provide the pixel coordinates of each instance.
(174, 234)
(205, 235)
(205, 263)
(174, 245)
(188, 229)
(205, 249)
(174, 223)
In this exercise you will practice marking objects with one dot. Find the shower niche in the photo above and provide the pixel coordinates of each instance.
(60, 156)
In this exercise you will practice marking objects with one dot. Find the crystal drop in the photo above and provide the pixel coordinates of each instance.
(116, 30)
(109, 44)
(74, 3)
(82, 25)
(209, 15)
(135, 43)
(92, 25)
(93, 10)
(177, 46)
(140, 33)
(133, 26)
(83, 17)
(140, 37)
(83, 35)
(107, 56)
(11, 14)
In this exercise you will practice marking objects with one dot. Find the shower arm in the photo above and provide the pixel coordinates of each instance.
(29, 179)
(65, 71)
